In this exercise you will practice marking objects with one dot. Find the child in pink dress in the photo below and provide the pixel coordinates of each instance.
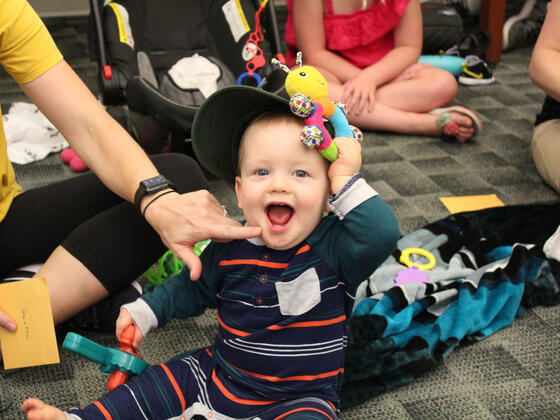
(368, 51)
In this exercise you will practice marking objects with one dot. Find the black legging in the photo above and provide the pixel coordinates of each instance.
(95, 225)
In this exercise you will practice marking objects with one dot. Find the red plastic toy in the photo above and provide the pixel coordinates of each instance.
(119, 377)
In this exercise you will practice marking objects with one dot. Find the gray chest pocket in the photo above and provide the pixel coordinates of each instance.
(298, 296)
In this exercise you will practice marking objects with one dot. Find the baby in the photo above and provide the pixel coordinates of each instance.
(283, 299)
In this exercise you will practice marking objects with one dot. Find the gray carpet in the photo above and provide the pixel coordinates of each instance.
(514, 374)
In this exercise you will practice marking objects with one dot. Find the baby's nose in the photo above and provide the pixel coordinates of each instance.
(279, 184)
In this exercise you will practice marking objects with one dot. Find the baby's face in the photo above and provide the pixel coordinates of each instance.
(283, 186)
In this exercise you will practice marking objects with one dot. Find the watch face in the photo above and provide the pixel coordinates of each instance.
(154, 183)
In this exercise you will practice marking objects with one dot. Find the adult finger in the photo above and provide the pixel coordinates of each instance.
(7, 322)
(187, 255)
(226, 233)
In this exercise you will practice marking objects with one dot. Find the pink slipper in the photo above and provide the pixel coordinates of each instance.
(450, 128)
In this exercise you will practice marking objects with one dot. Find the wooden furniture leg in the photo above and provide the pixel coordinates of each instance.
(492, 19)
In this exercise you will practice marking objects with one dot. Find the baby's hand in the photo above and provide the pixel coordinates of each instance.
(123, 321)
(37, 409)
(347, 164)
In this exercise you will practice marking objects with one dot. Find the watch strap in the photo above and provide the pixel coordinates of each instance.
(145, 189)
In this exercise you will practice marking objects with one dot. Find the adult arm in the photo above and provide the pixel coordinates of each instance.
(120, 163)
(544, 68)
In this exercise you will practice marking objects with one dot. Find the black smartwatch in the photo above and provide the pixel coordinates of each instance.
(151, 186)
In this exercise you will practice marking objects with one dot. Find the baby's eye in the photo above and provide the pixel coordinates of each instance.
(300, 173)
(261, 172)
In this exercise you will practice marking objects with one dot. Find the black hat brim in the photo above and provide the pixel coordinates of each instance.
(221, 121)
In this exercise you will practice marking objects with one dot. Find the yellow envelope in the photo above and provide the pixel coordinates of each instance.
(33, 343)
(471, 202)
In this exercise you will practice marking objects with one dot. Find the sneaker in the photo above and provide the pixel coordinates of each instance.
(453, 51)
(22, 273)
(522, 30)
(476, 72)
(472, 43)
(465, 7)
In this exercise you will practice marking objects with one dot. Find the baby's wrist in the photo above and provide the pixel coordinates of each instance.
(338, 182)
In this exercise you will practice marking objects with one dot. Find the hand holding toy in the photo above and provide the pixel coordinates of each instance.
(122, 362)
(309, 99)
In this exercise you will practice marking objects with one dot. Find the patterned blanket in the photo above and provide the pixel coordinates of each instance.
(489, 266)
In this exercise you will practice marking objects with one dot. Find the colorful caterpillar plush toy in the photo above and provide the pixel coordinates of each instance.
(309, 99)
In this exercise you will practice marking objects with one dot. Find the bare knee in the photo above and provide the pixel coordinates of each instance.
(443, 87)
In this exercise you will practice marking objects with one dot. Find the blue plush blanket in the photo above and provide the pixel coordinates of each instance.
(489, 265)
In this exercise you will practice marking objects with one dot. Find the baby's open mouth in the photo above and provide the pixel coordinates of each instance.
(279, 215)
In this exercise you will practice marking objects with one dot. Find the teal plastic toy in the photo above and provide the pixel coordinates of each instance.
(452, 64)
(109, 359)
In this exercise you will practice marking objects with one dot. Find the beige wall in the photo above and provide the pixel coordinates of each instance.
(53, 8)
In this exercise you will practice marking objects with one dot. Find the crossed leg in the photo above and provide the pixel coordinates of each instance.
(404, 104)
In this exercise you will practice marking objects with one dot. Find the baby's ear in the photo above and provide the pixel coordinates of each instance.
(238, 192)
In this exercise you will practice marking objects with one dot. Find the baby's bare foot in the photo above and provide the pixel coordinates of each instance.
(38, 410)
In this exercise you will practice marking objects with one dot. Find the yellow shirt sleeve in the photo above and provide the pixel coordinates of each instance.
(26, 51)
(26, 48)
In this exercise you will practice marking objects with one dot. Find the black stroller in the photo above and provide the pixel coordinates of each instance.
(160, 59)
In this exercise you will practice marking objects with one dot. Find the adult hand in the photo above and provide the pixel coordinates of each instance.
(6, 322)
(358, 92)
(123, 321)
(182, 220)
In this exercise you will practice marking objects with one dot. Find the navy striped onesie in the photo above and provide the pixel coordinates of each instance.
(282, 315)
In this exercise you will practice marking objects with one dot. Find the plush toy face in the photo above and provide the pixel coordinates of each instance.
(306, 80)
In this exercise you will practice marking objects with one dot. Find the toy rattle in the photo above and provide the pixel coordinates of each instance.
(405, 258)
(309, 99)
(121, 363)
(414, 272)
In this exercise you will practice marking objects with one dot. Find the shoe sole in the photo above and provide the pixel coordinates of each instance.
(473, 82)
(525, 11)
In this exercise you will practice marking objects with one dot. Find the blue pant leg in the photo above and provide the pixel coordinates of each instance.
(300, 409)
(160, 392)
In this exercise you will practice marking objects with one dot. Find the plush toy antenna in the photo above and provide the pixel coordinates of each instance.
(309, 99)
(299, 60)
(281, 66)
